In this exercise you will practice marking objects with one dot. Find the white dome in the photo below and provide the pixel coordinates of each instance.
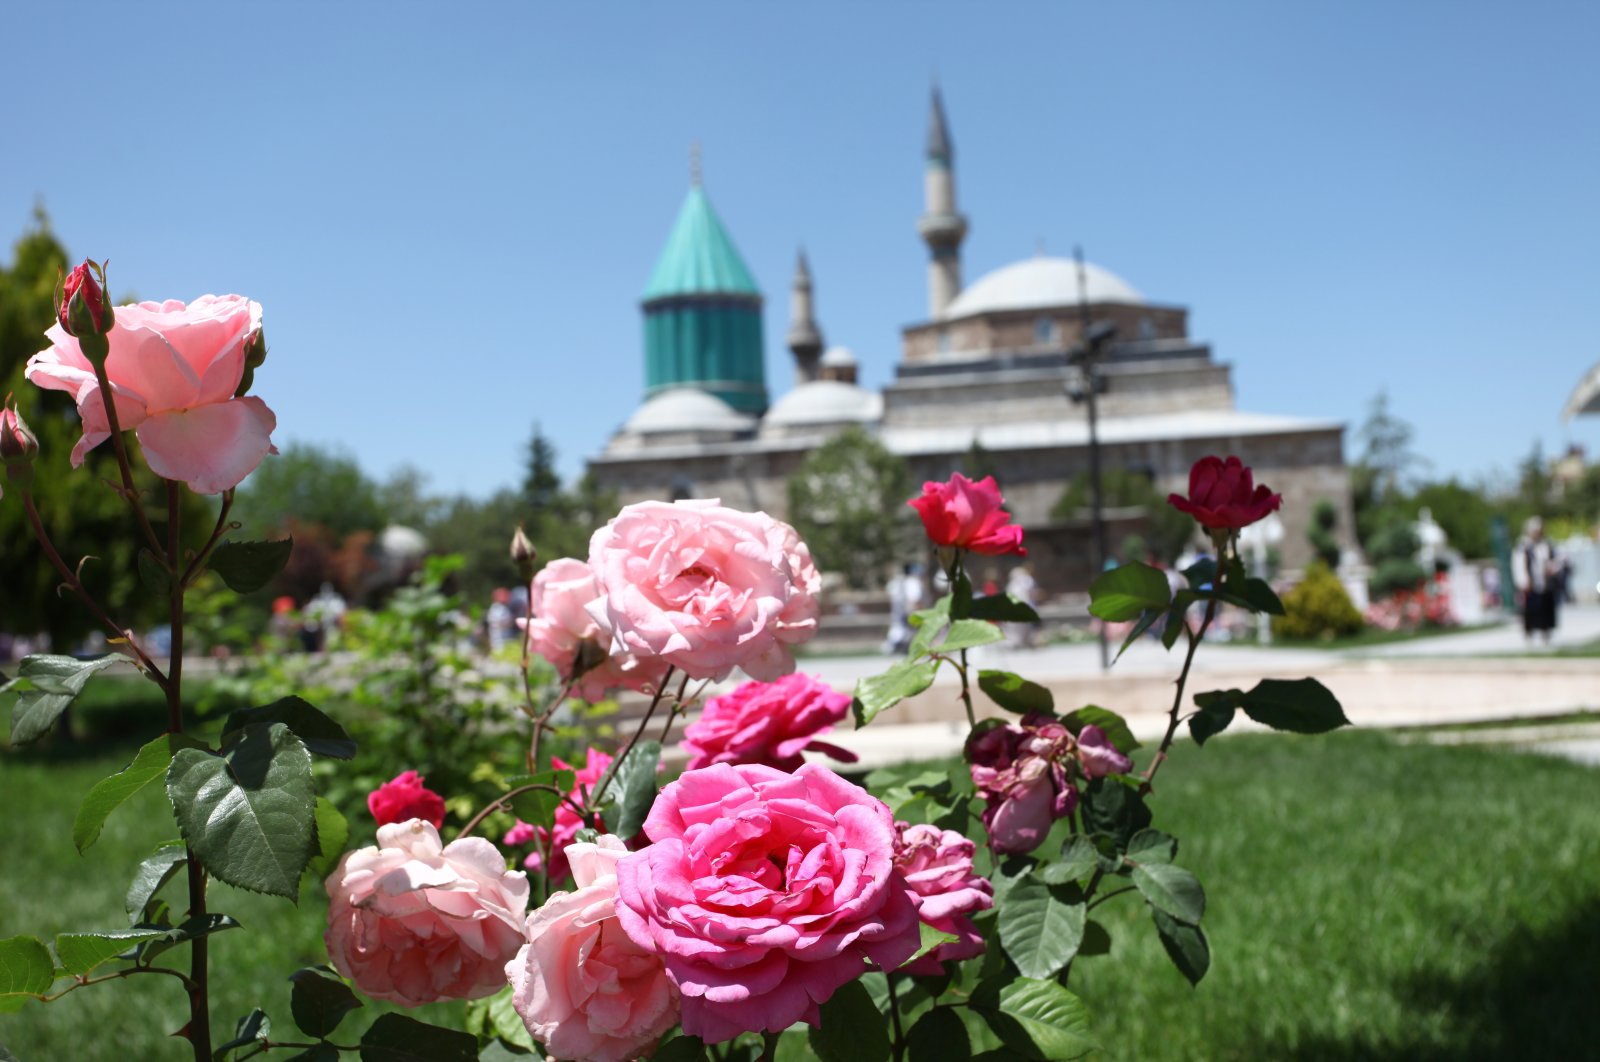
(826, 402)
(1039, 282)
(397, 540)
(686, 409)
(838, 357)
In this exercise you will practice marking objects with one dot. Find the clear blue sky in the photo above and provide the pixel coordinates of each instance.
(449, 211)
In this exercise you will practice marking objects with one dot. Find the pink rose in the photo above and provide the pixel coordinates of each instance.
(583, 988)
(564, 633)
(1098, 755)
(567, 822)
(768, 722)
(706, 588)
(405, 797)
(937, 864)
(1020, 771)
(411, 922)
(968, 515)
(1223, 495)
(765, 892)
(174, 370)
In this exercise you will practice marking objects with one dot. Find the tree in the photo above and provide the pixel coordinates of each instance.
(82, 516)
(848, 501)
(1324, 519)
(541, 485)
(309, 485)
(1378, 480)
(1465, 514)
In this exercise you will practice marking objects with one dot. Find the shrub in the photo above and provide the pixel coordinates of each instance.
(1317, 608)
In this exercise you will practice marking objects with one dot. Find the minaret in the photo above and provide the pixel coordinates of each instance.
(940, 226)
(805, 338)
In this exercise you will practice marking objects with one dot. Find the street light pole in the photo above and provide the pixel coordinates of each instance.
(1091, 345)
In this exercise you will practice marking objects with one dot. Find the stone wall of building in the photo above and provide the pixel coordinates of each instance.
(1020, 330)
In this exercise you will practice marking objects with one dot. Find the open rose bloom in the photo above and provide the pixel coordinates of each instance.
(967, 515)
(1223, 495)
(174, 369)
(581, 651)
(405, 797)
(937, 865)
(768, 722)
(705, 588)
(413, 921)
(765, 892)
(583, 987)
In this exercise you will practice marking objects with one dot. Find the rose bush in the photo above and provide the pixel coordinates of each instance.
(174, 372)
(414, 921)
(705, 588)
(583, 988)
(1223, 495)
(967, 515)
(768, 722)
(765, 892)
(581, 651)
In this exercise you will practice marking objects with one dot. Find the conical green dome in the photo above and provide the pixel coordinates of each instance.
(699, 258)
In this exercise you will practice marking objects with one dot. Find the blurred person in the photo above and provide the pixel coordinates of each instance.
(499, 619)
(324, 615)
(905, 597)
(1536, 572)
(1021, 585)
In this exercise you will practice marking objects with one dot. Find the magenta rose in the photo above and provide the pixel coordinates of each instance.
(764, 892)
(412, 921)
(1223, 495)
(1020, 770)
(705, 588)
(937, 864)
(405, 797)
(583, 988)
(567, 822)
(1098, 756)
(768, 722)
(967, 515)
(174, 371)
(563, 632)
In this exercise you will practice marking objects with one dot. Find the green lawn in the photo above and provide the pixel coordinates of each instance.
(1367, 900)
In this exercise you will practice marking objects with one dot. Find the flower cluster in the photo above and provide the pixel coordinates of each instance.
(1026, 774)
(768, 722)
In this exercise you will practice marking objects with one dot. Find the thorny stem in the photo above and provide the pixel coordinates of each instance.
(76, 586)
(503, 800)
(677, 707)
(1195, 639)
(114, 424)
(611, 770)
(966, 693)
(83, 981)
(540, 719)
(198, 565)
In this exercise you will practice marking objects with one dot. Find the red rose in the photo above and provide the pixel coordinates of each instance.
(84, 305)
(1223, 495)
(968, 515)
(406, 798)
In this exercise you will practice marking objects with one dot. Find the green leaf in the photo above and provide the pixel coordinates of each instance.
(153, 573)
(1186, 945)
(852, 1029)
(249, 813)
(938, 1036)
(1078, 857)
(1096, 941)
(1301, 706)
(397, 1038)
(635, 788)
(48, 685)
(969, 634)
(929, 624)
(1003, 608)
(537, 807)
(1147, 619)
(321, 735)
(1260, 597)
(1114, 809)
(681, 1049)
(1015, 693)
(25, 970)
(1216, 712)
(1111, 724)
(1039, 928)
(1172, 890)
(1201, 572)
(1052, 1022)
(333, 833)
(79, 953)
(931, 939)
(905, 679)
(108, 794)
(318, 1052)
(1124, 592)
(961, 596)
(171, 936)
(253, 1028)
(154, 871)
(496, 1018)
(319, 1001)
(248, 566)
(1152, 846)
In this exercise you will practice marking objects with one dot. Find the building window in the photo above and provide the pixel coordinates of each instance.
(1044, 331)
(1147, 328)
(944, 341)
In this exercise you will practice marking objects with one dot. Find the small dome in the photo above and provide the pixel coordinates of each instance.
(397, 540)
(1036, 283)
(686, 409)
(826, 402)
(838, 358)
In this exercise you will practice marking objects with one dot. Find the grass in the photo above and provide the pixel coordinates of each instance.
(1367, 900)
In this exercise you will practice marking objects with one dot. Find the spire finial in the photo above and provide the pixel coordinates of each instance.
(694, 163)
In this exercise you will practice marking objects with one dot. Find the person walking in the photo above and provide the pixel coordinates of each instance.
(1537, 573)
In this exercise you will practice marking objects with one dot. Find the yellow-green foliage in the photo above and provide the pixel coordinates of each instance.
(1317, 608)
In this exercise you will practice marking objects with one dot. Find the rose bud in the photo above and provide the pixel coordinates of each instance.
(255, 355)
(523, 555)
(18, 446)
(85, 308)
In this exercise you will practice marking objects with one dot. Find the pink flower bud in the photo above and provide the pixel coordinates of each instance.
(18, 446)
(523, 555)
(85, 309)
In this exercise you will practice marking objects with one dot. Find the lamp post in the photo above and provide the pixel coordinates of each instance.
(1084, 386)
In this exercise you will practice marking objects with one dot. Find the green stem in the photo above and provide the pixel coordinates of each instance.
(899, 1044)
(599, 792)
(1177, 700)
(198, 565)
(504, 800)
(129, 491)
